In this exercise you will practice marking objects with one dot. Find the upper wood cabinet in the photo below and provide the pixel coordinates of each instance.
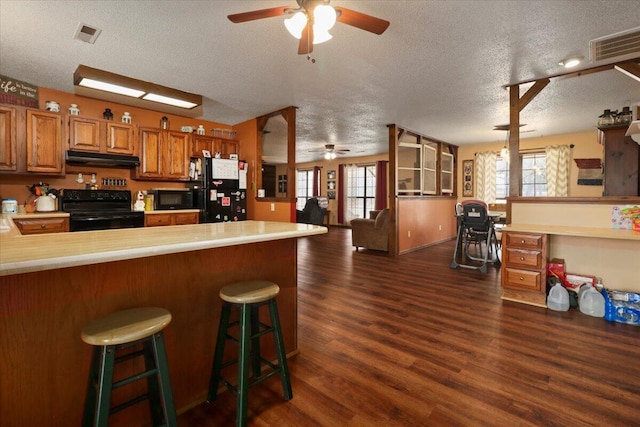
(164, 154)
(88, 134)
(44, 142)
(213, 145)
(8, 140)
(621, 161)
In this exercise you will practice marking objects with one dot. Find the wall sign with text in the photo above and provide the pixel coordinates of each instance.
(16, 92)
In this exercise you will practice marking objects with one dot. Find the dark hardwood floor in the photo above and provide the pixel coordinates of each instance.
(409, 342)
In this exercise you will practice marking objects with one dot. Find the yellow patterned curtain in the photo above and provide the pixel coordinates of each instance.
(558, 158)
(486, 176)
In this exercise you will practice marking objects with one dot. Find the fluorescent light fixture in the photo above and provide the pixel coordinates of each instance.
(571, 61)
(296, 24)
(169, 101)
(108, 86)
(96, 84)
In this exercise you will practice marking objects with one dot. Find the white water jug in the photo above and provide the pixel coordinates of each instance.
(558, 298)
(592, 302)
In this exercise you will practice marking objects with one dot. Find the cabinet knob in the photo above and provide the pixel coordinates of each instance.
(521, 258)
(521, 278)
(522, 241)
(43, 225)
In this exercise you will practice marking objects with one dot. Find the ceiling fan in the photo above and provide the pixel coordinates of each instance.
(330, 151)
(312, 19)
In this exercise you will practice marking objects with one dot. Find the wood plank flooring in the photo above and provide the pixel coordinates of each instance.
(410, 342)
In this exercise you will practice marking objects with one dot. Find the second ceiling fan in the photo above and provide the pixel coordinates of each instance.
(312, 19)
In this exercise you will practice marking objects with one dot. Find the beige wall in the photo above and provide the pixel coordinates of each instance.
(586, 146)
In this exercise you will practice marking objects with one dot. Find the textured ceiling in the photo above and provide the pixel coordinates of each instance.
(439, 69)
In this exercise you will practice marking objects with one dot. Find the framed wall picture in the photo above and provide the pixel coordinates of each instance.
(331, 185)
(331, 195)
(467, 178)
(331, 175)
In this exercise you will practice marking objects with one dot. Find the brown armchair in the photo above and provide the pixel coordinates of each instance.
(371, 233)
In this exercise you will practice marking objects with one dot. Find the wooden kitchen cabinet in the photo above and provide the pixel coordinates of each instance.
(8, 140)
(621, 161)
(171, 218)
(524, 267)
(44, 142)
(42, 225)
(164, 155)
(214, 145)
(106, 136)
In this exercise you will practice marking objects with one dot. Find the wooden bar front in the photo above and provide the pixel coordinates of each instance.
(44, 364)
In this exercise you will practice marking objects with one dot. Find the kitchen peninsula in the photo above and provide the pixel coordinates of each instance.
(53, 284)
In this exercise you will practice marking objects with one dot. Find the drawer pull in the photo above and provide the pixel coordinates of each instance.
(522, 241)
(43, 226)
(521, 278)
(521, 258)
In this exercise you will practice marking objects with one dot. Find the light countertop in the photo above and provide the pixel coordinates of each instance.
(562, 230)
(22, 254)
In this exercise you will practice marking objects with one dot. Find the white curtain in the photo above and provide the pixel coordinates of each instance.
(558, 158)
(486, 176)
(350, 211)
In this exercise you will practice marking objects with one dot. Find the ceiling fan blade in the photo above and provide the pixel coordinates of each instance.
(306, 47)
(362, 21)
(343, 150)
(257, 14)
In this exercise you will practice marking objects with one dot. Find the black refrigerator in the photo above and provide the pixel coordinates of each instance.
(219, 188)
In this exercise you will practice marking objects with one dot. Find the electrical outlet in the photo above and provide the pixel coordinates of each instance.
(439, 228)
(273, 207)
(408, 233)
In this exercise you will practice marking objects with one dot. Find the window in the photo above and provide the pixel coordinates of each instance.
(304, 187)
(361, 191)
(534, 176)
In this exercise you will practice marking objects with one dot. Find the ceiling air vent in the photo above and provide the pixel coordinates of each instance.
(618, 46)
(86, 33)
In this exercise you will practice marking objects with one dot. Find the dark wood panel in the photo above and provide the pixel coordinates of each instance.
(408, 341)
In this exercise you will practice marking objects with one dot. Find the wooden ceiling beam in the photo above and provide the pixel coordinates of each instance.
(631, 69)
(532, 92)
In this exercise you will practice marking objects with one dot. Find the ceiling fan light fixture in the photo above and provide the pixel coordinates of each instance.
(329, 156)
(324, 18)
(320, 36)
(296, 24)
(571, 61)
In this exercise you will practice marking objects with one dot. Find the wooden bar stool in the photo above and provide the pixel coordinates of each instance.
(121, 330)
(249, 297)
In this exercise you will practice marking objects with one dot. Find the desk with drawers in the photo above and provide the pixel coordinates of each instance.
(609, 253)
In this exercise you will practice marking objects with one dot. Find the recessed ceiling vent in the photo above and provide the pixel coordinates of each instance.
(87, 33)
(618, 46)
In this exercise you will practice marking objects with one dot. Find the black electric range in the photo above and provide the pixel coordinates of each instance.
(100, 210)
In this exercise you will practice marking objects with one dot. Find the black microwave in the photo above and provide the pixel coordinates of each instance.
(171, 198)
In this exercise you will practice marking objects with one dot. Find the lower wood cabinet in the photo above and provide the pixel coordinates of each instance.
(524, 267)
(42, 225)
(178, 218)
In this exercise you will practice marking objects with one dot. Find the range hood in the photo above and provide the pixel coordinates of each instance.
(101, 159)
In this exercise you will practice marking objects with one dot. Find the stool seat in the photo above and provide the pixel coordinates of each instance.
(250, 292)
(126, 326)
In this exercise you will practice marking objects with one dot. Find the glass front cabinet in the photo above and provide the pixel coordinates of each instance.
(424, 166)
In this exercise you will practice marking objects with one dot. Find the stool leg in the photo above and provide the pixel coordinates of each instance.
(90, 400)
(155, 404)
(162, 364)
(282, 356)
(219, 352)
(104, 360)
(243, 362)
(255, 341)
